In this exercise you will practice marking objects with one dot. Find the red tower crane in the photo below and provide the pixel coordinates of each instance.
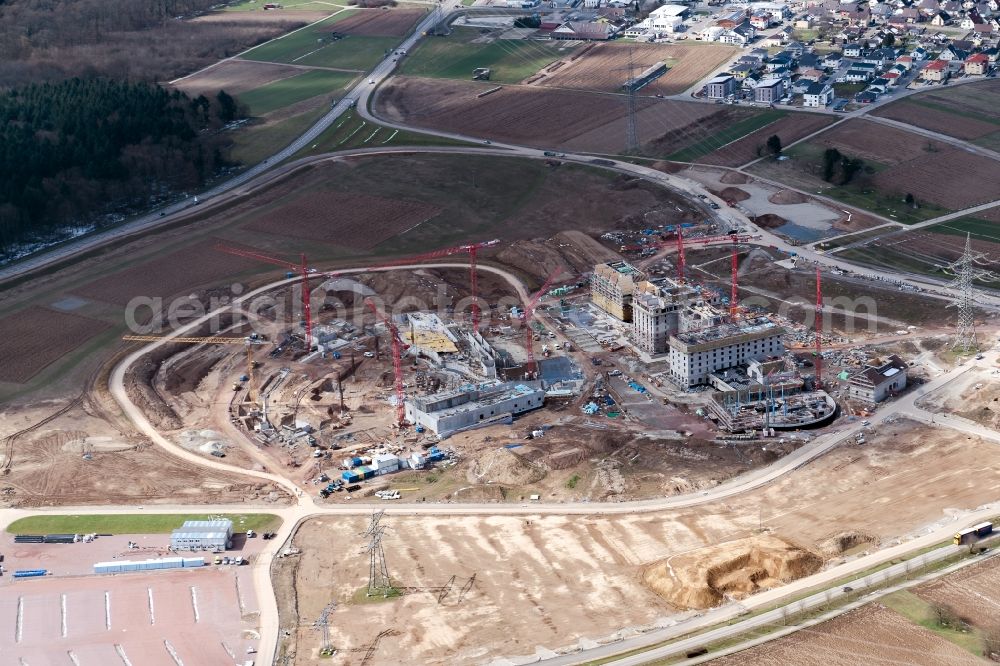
(291, 266)
(819, 329)
(529, 312)
(397, 360)
(735, 239)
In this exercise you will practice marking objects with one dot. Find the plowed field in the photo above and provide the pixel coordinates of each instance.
(604, 67)
(235, 77)
(974, 593)
(970, 112)
(378, 22)
(168, 275)
(36, 337)
(356, 221)
(872, 634)
(789, 129)
(573, 120)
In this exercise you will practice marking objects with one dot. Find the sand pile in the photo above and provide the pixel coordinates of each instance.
(769, 221)
(734, 178)
(506, 468)
(786, 197)
(845, 541)
(705, 577)
(734, 194)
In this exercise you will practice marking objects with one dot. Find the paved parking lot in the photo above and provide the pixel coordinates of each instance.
(194, 617)
(197, 617)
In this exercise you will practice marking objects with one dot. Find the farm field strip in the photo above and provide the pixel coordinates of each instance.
(457, 55)
(288, 91)
(604, 67)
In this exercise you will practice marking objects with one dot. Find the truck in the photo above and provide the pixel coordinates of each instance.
(973, 534)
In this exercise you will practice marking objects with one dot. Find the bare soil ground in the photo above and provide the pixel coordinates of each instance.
(235, 77)
(542, 117)
(704, 577)
(378, 22)
(789, 129)
(965, 112)
(828, 507)
(169, 274)
(35, 337)
(922, 115)
(871, 634)
(49, 469)
(934, 171)
(360, 221)
(602, 68)
(975, 397)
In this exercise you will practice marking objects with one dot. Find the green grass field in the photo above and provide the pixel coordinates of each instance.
(351, 131)
(735, 131)
(298, 43)
(286, 92)
(135, 523)
(252, 145)
(980, 229)
(455, 56)
(920, 612)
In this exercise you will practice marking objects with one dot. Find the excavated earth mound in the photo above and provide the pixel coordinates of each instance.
(703, 578)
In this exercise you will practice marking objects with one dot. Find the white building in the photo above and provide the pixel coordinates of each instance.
(817, 95)
(657, 308)
(452, 411)
(877, 382)
(695, 355)
(212, 535)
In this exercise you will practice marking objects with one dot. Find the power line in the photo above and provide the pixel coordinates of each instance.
(378, 571)
(966, 274)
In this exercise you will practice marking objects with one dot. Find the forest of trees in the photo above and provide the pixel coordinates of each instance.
(73, 151)
(87, 129)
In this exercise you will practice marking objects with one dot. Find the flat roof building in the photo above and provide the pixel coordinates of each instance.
(612, 287)
(203, 535)
(695, 355)
(452, 411)
(657, 307)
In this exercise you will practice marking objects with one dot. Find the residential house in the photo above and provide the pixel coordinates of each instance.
(832, 60)
(906, 62)
(977, 64)
(782, 59)
(769, 91)
(818, 95)
(910, 15)
(919, 53)
(936, 70)
(866, 97)
(721, 87)
(795, 49)
(741, 71)
(857, 76)
(777, 39)
(940, 19)
(761, 20)
(852, 50)
(739, 35)
(879, 85)
(811, 74)
(808, 61)
(951, 52)
(732, 19)
(970, 20)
